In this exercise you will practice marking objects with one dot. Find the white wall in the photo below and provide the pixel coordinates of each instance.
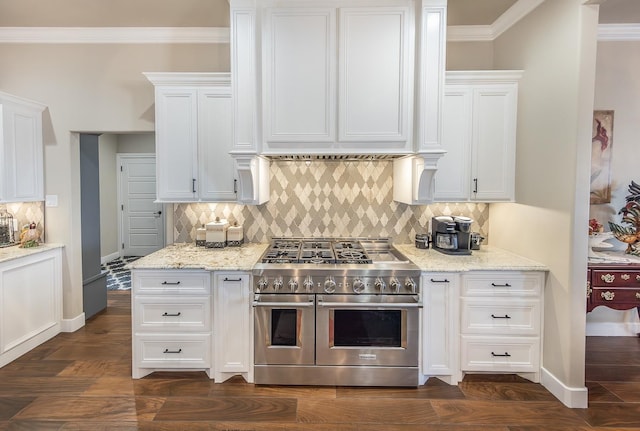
(618, 89)
(555, 45)
(469, 55)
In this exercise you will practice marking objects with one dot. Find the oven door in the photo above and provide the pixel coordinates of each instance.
(284, 329)
(374, 330)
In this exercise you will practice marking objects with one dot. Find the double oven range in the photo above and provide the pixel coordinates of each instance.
(336, 311)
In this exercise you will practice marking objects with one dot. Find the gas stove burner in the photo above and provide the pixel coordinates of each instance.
(339, 245)
(316, 244)
(352, 256)
(285, 245)
(281, 256)
(317, 256)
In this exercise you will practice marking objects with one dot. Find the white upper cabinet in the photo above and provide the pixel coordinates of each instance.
(479, 135)
(337, 79)
(21, 150)
(194, 135)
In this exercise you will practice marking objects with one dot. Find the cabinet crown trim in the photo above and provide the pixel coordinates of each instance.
(189, 78)
(482, 76)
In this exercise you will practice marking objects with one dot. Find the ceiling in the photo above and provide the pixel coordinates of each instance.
(485, 12)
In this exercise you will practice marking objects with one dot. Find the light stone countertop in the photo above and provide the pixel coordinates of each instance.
(488, 258)
(188, 256)
(16, 252)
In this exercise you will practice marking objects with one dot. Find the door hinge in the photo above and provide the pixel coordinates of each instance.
(121, 168)
(122, 207)
(123, 245)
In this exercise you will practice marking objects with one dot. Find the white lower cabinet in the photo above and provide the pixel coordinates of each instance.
(171, 320)
(440, 329)
(232, 325)
(501, 319)
(30, 302)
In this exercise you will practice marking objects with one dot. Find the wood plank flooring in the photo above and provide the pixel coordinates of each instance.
(81, 381)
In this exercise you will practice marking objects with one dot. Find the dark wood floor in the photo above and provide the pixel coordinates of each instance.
(81, 381)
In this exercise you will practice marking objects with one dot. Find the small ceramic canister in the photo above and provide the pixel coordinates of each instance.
(216, 236)
(201, 236)
(235, 235)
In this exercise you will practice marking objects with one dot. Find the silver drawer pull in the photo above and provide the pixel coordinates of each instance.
(173, 283)
(506, 354)
(506, 316)
(439, 281)
(172, 351)
(608, 296)
(369, 305)
(501, 285)
(283, 304)
(165, 314)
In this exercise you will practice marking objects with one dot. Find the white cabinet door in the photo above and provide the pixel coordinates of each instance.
(299, 75)
(494, 142)
(215, 139)
(176, 143)
(194, 135)
(232, 325)
(374, 74)
(21, 150)
(452, 176)
(479, 135)
(440, 345)
(337, 90)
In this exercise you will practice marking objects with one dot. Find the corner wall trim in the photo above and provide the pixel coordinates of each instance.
(574, 398)
(72, 325)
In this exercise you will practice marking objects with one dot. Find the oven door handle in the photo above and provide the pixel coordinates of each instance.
(283, 304)
(368, 305)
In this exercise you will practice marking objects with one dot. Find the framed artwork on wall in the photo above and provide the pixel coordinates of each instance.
(601, 144)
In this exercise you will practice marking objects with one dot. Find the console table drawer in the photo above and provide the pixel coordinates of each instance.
(615, 278)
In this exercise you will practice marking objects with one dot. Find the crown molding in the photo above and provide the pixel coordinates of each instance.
(62, 35)
(488, 33)
(618, 32)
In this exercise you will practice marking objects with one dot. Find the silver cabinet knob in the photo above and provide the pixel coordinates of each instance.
(380, 284)
(358, 285)
(330, 285)
(293, 284)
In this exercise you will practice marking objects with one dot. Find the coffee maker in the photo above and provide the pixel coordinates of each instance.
(451, 235)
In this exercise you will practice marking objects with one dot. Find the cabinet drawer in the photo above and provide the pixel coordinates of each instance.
(500, 354)
(617, 278)
(500, 316)
(612, 296)
(171, 282)
(172, 313)
(173, 351)
(502, 284)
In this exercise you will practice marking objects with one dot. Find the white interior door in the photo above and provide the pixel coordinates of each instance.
(142, 219)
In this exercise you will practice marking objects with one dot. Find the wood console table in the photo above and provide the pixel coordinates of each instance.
(614, 285)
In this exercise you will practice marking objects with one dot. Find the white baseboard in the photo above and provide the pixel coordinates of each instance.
(574, 398)
(612, 329)
(109, 257)
(72, 325)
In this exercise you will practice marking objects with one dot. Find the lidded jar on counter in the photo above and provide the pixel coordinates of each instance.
(201, 236)
(7, 234)
(422, 240)
(235, 235)
(216, 236)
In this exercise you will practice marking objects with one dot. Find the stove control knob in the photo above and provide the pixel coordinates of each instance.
(293, 284)
(380, 284)
(277, 283)
(358, 285)
(308, 283)
(330, 285)
(410, 284)
(395, 284)
(263, 283)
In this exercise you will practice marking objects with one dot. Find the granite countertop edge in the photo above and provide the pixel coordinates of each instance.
(244, 258)
(15, 252)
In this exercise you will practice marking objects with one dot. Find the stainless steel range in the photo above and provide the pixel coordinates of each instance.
(336, 311)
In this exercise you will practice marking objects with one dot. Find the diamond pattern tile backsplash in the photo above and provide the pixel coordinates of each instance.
(327, 199)
(25, 213)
